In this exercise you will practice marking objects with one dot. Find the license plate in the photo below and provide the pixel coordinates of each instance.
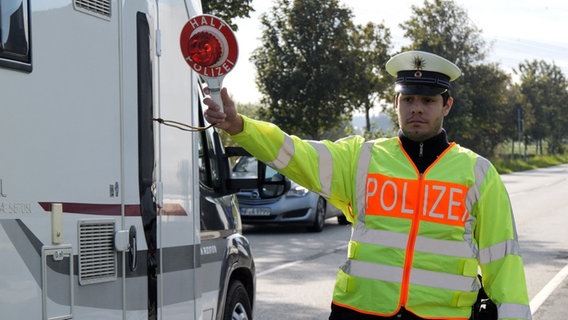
(255, 211)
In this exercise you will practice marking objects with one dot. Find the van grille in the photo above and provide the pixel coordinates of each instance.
(97, 257)
(99, 8)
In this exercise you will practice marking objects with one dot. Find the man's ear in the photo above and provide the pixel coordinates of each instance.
(395, 102)
(448, 106)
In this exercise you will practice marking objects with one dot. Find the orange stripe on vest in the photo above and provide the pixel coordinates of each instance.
(434, 201)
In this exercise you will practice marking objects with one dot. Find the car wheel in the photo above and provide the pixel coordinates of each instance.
(238, 306)
(319, 220)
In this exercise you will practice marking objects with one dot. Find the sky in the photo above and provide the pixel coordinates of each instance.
(517, 30)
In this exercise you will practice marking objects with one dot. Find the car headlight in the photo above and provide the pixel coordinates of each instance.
(297, 191)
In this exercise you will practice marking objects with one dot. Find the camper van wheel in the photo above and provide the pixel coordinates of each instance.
(238, 303)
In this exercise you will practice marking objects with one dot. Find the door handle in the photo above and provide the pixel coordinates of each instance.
(132, 249)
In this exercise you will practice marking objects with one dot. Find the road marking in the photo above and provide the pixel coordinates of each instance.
(280, 267)
(539, 299)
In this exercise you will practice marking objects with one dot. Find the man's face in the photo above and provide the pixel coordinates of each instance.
(421, 117)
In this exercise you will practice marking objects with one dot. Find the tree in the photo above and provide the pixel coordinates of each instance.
(545, 87)
(442, 27)
(488, 116)
(227, 10)
(303, 64)
(370, 83)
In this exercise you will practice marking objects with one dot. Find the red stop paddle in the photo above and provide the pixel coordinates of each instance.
(209, 46)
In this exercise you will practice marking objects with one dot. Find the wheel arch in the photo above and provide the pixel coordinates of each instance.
(238, 266)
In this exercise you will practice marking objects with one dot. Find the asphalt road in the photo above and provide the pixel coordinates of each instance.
(296, 269)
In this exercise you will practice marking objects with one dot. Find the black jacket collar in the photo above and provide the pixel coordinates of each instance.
(424, 153)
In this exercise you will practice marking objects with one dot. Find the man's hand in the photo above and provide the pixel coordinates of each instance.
(230, 120)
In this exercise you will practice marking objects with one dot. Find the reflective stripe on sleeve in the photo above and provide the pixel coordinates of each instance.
(499, 251)
(480, 170)
(361, 179)
(325, 166)
(473, 194)
(514, 311)
(285, 154)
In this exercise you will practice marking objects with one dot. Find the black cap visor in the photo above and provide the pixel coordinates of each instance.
(419, 89)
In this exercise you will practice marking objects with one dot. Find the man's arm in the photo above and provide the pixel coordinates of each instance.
(297, 159)
(230, 120)
(499, 252)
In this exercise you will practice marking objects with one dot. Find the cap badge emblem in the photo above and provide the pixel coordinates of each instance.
(419, 63)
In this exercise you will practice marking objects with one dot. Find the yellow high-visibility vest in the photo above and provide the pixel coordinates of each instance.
(418, 240)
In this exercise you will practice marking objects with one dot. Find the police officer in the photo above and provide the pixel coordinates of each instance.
(427, 214)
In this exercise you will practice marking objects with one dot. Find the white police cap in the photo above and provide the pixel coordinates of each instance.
(422, 73)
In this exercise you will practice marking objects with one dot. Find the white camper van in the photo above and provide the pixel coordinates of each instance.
(106, 212)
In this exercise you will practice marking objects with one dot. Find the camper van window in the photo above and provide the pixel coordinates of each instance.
(15, 34)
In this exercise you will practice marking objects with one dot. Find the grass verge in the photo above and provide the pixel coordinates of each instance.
(508, 165)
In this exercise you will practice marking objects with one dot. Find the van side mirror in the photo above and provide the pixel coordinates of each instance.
(273, 185)
(269, 183)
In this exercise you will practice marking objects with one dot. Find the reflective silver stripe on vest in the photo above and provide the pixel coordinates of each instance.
(514, 311)
(443, 280)
(423, 244)
(420, 277)
(499, 251)
(325, 166)
(373, 271)
(285, 154)
(459, 249)
(361, 179)
(379, 237)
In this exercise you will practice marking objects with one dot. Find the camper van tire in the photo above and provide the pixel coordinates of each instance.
(238, 305)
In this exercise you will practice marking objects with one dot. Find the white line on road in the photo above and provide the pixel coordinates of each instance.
(280, 267)
(539, 299)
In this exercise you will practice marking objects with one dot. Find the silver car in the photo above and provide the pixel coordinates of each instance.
(298, 206)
